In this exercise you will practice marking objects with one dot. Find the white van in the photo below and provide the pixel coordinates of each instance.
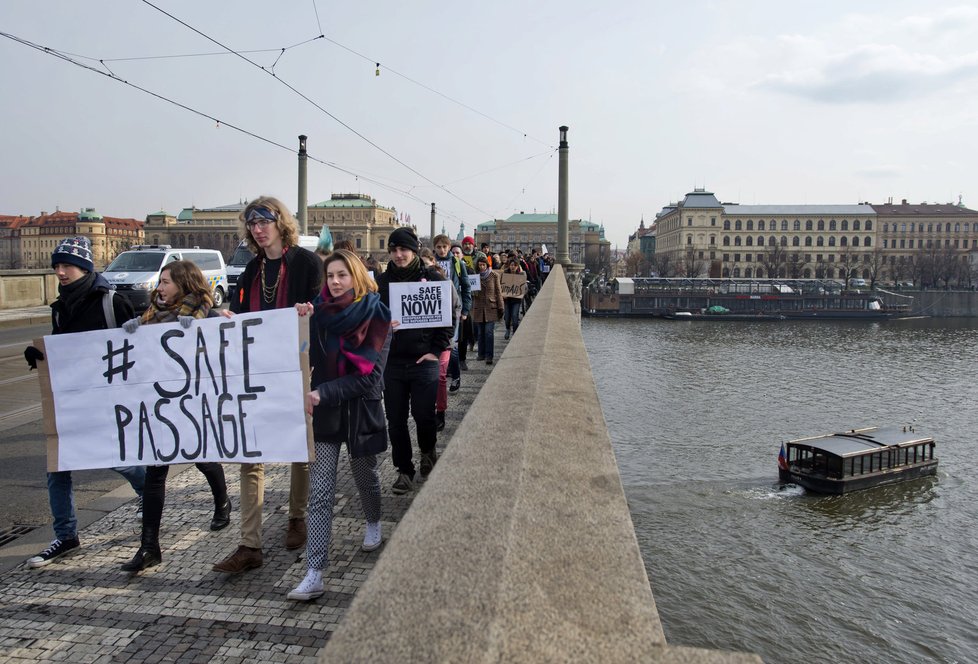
(242, 256)
(135, 273)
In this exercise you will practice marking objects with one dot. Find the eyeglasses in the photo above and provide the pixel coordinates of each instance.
(259, 216)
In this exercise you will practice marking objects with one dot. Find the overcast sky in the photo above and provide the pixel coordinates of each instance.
(761, 102)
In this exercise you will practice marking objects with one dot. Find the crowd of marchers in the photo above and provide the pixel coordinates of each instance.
(368, 377)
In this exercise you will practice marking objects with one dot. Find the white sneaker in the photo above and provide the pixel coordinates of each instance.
(310, 588)
(373, 537)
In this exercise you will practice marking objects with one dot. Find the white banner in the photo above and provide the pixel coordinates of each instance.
(475, 282)
(226, 389)
(421, 304)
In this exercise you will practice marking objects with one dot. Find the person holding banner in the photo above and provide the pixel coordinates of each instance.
(487, 308)
(349, 342)
(411, 376)
(85, 302)
(512, 304)
(280, 275)
(182, 294)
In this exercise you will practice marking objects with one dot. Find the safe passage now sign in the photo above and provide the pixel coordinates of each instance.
(225, 389)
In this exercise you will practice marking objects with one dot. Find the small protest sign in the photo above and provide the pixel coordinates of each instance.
(475, 282)
(228, 390)
(513, 284)
(417, 304)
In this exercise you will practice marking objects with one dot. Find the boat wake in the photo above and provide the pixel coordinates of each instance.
(776, 492)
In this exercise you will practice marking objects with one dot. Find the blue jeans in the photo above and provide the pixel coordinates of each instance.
(415, 387)
(484, 334)
(62, 498)
(512, 313)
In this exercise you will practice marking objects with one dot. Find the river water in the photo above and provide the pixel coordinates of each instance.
(697, 412)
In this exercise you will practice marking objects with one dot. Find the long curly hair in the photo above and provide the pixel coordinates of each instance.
(288, 229)
(190, 280)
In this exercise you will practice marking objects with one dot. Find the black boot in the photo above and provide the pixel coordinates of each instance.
(148, 554)
(222, 516)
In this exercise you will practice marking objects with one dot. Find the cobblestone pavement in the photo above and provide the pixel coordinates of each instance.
(83, 608)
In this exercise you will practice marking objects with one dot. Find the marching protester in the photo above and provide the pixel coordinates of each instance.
(281, 275)
(457, 273)
(349, 342)
(411, 375)
(182, 294)
(444, 359)
(487, 308)
(466, 339)
(512, 304)
(85, 302)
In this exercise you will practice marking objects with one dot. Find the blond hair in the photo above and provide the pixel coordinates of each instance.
(362, 283)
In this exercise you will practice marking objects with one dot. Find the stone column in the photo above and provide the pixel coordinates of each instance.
(303, 199)
(432, 236)
(563, 255)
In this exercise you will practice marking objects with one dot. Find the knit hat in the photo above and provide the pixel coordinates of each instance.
(75, 251)
(468, 239)
(404, 237)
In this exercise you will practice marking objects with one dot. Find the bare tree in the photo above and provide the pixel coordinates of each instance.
(775, 260)
(877, 266)
(663, 265)
(637, 265)
(796, 264)
(692, 266)
(848, 263)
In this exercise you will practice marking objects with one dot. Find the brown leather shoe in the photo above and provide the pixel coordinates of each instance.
(243, 559)
(295, 536)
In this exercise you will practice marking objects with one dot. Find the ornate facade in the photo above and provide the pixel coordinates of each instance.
(700, 236)
(27, 242)
(585, 240)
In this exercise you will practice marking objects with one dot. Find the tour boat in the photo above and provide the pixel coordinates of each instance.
(857, 459)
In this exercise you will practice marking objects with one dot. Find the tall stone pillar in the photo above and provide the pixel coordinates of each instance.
(303, 198)
(563, 254)
(432, 236)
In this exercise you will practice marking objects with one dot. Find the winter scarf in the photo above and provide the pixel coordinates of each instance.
(355, 331)
(190, 305)
(75, 292)
(413, 271)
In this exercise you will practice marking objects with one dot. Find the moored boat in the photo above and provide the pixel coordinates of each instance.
(857, 459)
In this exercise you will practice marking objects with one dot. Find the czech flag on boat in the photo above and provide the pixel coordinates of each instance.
(782, 459)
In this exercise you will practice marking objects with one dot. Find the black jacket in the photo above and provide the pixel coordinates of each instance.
(305, 277)
(87, 314)
(330, 419)
(408, 345)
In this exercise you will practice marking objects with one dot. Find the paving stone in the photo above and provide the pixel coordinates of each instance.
(85, 609)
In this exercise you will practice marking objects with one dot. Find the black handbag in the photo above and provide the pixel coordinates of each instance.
(368, 428)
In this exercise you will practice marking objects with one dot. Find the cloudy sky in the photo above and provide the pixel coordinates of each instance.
(825, 102)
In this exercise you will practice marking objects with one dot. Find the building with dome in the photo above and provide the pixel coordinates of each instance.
(585, 239)
(28, 241)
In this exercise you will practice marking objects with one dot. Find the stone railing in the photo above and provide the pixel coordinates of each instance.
(520, 546)
(27, 288)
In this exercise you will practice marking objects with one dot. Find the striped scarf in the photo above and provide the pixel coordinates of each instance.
(190, 305)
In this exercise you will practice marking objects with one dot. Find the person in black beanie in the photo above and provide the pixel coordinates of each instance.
(84, 302)
(411, 375)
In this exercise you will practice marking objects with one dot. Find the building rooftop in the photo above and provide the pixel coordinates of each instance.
(349, 201)
(922, 209)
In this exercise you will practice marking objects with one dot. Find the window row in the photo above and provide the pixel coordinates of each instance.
(930, 228)
(740, 225)
(819, 241)
(909, 244)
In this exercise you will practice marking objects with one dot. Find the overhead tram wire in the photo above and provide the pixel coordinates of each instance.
(64, 56)
(323, 110)
(440, 94)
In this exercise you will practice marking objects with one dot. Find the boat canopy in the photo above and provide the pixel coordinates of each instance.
(861, 441)
(626, 285)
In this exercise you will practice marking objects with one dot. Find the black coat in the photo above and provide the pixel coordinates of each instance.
(331, 418)
(305, 277)
(408, 345)
(87, 314)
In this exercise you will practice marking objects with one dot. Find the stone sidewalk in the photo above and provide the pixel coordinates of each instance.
(83, 608)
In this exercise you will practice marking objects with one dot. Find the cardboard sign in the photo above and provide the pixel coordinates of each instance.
(513, 284)
(475, 282)
(417, 304)
(229, 390)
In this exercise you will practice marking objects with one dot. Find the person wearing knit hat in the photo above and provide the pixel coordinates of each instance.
(75, 251)
(411, 374)
(404, 237)
(83, 298)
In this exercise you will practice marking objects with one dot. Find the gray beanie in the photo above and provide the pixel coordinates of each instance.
(75, 251)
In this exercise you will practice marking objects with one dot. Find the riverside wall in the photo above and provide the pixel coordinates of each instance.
(520, 546)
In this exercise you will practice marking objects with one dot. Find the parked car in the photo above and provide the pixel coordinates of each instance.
(136, 273)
